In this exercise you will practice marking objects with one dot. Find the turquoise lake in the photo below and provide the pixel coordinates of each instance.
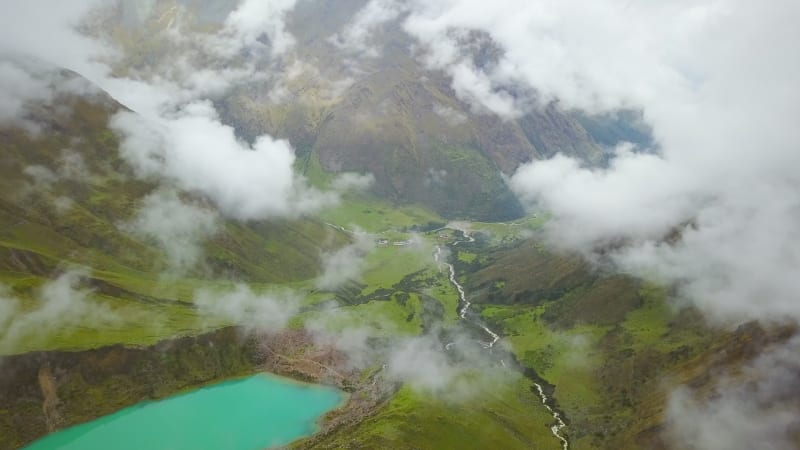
(244, 414)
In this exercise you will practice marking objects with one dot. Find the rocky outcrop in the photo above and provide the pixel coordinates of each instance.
(49, 387)
(295, 354)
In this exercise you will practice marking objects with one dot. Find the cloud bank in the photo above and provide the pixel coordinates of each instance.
(174, 130)
(756, 409)
(712, 209)
(724, 182)
(48, 31)
(723, 179)
(257, 23)
(345, 264)
(200, 154)
(179, 228)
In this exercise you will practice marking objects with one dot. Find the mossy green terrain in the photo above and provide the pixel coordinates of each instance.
(67, 196)
(607, 343)
(503, 412)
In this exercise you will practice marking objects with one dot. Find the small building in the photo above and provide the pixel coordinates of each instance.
(382, 242)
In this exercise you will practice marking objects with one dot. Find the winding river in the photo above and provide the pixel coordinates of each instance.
(464, 305)
(462, 313)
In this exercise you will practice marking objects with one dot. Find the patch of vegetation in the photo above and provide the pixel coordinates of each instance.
(374, 215)
(467, 257)
(499, 413)
(386, 318)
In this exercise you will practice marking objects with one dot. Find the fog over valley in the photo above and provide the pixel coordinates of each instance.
(551, 224)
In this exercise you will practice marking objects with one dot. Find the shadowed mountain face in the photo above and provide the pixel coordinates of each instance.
(375, 110)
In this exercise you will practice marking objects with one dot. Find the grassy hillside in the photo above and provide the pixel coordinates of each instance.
(503, 414)
(66, 201)
(604, 342)
(612, 346)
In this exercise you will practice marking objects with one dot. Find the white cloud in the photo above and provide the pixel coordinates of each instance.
(72, 166)
(179, 135)
(357, 34)
(422, 362)
(353, 341)
(17, 87)
(178, 227)
(57, 307)
(345, 264)
(350, 181)
(62, 204)
(717, 82)
(26, 83)
(463, 372)
(258, 312)
(452, 116)
(754, 409)
(42, 177)
(252, 20)
(725, 177)
(601, 55)
(202, 155)
(47, 31)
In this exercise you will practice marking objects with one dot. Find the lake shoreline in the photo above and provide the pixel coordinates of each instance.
(43, 392)
(243, 413)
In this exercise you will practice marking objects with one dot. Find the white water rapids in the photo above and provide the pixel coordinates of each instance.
(462, 313)
(462, 296)
(555, 429)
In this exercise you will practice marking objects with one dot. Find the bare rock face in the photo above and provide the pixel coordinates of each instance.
(47, 383)
(295, 354)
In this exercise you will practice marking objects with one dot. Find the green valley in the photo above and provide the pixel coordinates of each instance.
(391, 224)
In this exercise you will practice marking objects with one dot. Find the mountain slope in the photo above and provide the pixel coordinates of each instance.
(380, 111)
(70, 203)
(616, 349)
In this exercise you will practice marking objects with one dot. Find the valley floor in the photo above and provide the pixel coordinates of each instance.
(593, 345)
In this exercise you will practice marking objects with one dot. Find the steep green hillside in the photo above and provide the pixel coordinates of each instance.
(504, 414)
(613, 346)
(67, 201)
